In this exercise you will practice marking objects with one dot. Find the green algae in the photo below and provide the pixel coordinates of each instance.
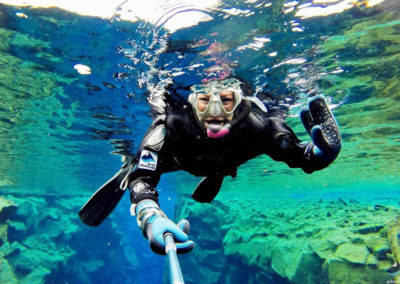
(20, 82)
(393, 231)
(31, 113)
(326, 241)
(6, 273)
(44, 248)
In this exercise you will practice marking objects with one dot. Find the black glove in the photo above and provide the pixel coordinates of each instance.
(320, 123)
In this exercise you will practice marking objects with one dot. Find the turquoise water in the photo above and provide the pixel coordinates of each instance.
(63, 134)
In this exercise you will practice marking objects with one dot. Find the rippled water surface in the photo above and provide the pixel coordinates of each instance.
(57, 124)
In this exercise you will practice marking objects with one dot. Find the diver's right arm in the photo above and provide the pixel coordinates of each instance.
(152, 221)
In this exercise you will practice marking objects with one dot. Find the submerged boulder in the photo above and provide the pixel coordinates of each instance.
(254, 251)
(37, 276)
(206, 262)
(297, 262)
(352, 253)
(342, 272)
(6, 273)
(369, 228)
(3, 233)
(7, 208)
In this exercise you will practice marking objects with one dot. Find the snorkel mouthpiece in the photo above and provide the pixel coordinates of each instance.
(217, 131)
(208, 96)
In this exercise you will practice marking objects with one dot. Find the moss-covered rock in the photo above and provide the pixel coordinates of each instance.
(3, 233)
(205, 263)
(321, 253)
(6, 273)
(37, 276)
(353, 253)
(296, 261)
(209, 222)
(12, 249)
(28, 260)
(369, 228)
(341, 272)
(379, 246)
(392, 234)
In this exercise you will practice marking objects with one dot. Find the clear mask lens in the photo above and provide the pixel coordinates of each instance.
(217, 98)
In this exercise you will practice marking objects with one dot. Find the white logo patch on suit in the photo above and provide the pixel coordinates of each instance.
(148, 160)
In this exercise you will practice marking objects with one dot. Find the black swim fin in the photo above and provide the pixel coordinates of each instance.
(207, 189)
(106, 198)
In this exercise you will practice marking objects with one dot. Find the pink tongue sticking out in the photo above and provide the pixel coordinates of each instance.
(217, 132)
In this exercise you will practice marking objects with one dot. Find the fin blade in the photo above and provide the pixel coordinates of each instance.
(101, 204)
(207, 189)
(104, 200)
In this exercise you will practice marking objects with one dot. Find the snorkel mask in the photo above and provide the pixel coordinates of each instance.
(210, 94)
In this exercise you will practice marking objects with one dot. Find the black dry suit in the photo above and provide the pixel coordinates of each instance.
(176, 141)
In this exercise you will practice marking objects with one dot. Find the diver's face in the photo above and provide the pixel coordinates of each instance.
(228, 102)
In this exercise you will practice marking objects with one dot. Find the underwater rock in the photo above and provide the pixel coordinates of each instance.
(340, 272)
(93, 265)
(353, 253)
(51, 228)
(256, 253)
(206, 262)
(16, 230)
(7, 208)
(195, 273)
(342, 201)
(6, 273)
(281, 234)
(372, 261)
(252, 252)
(392, 234)
(29, 260)
(5, 182)
(28, 211)
(369, 228)
(357, 240)
(54, 213)
(11, 249)
(3, 233)
(379, 246)
(380, 252)
(212, 259)
(380, 207)
(46, 234)
(340, 223)
(206, 222)
(36, 277)
(296, 261)
(328, 243)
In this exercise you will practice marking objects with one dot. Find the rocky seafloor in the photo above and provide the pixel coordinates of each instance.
(237, 241)
(43, 241)
(291, 241)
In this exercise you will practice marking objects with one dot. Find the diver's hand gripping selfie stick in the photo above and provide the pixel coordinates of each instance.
(175, 273)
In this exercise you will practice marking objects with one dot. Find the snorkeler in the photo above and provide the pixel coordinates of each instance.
(218, 130)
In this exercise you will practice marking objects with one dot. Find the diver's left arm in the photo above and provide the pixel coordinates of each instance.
(320, 123)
